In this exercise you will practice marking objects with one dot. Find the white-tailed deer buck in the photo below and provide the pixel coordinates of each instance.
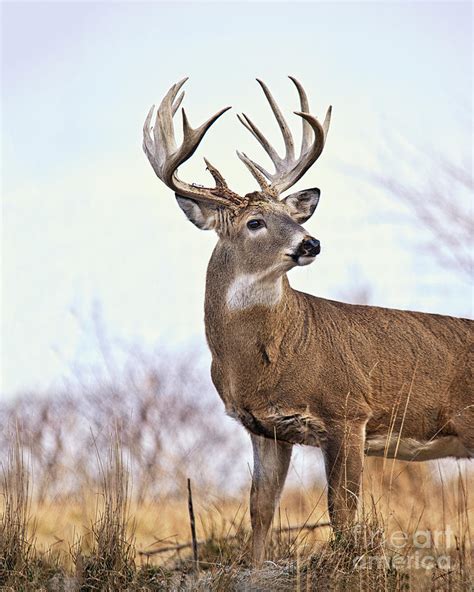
(297, 369)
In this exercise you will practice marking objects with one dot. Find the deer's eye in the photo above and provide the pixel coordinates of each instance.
(255, 224)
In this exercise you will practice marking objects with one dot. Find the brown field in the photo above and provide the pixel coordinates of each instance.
(94, 492)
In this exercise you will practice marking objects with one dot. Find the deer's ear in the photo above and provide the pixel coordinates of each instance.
(302, 204)
(201, 215)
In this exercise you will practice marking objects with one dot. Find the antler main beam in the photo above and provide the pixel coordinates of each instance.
(159, 144)
(288, 169)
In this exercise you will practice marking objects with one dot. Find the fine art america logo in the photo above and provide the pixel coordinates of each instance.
(417, 550)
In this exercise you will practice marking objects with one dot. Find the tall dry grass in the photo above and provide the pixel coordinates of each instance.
(94, 498)
(105, 557)
(113, 554)
(15, 541)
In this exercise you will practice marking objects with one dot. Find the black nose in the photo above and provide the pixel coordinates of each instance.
(310, 247)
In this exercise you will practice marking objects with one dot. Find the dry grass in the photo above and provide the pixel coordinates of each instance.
(15, 545)
(101, 549)
(87, 510)
(105, 558)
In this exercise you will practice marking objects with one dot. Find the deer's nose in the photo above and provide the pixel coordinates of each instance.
(310, 247)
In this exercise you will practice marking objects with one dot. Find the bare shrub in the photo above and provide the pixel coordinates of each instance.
(169, 420)
(437, 190)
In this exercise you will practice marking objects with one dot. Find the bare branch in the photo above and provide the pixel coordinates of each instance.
(441, 203)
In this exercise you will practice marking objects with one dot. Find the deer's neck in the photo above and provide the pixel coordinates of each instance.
(250, 301)
(247, 290)
(247, 317)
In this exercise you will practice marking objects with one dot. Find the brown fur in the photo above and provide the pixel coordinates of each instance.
(313, 371)
(296, 369)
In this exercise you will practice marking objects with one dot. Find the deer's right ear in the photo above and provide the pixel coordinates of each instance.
(201, 215)
(302, 204)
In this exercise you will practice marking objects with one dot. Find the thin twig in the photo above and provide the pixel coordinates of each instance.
(193, 524)
(305, 526)
(180, 546)
(168, 548)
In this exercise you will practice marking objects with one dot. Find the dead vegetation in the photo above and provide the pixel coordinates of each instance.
(95, 498)
(436, 189)
(15, 542)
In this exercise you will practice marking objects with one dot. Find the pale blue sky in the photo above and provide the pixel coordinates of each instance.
(86, 221)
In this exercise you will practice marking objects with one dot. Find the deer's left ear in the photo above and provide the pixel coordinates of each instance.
(302, 204)
(201, 215)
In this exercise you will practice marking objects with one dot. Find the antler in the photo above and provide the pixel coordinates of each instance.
(165, 157)
(288, 169)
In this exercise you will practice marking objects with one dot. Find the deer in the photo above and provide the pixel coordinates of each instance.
(293, 368)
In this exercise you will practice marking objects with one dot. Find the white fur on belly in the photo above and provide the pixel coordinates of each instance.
(411, 449)
(252, 289)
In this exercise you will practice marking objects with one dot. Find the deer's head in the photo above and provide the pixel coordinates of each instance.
(263, 229)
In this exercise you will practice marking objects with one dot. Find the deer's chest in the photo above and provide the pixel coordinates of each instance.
(266, 400)
(295, 426)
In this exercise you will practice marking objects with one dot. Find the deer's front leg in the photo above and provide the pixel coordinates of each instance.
(343, 458)
(271, 462)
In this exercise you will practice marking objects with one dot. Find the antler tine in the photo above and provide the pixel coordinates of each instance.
(258, 167)
(164, 129)
(148, 144)
(285, 130)
(218, 178)
(306, 135)
(178, 102)
(253, 129)
(327, 121)
(192, 137)
(256, 170)
(310, 157)
(165, 157)
(289, 169)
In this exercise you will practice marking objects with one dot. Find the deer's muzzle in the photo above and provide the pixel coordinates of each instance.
(310, 247)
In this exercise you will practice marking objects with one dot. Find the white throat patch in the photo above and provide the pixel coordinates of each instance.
(253, 289)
